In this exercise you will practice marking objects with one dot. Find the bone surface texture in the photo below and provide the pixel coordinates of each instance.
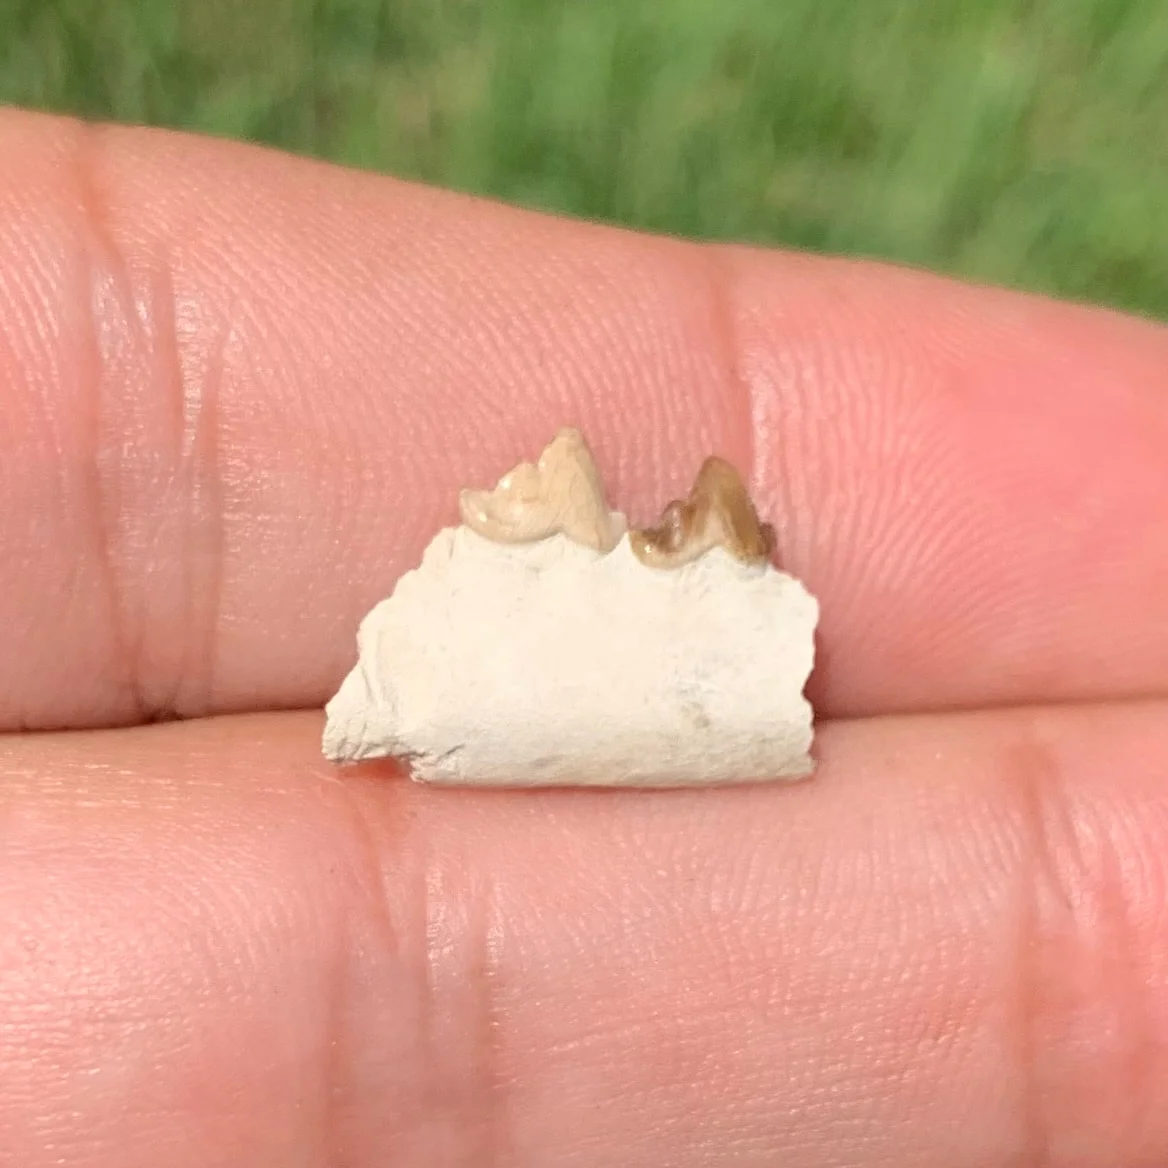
(542, 643)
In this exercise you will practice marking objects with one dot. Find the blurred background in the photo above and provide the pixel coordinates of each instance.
(1023, 142)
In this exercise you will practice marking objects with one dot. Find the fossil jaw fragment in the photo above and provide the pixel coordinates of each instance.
(541, 643)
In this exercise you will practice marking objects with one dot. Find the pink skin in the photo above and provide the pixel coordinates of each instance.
(240, 391)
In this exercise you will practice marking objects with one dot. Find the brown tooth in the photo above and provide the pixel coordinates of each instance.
(717, 513)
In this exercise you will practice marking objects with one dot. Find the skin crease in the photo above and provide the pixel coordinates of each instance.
(241, 391)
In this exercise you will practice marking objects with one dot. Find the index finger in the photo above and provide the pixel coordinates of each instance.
(242, 391)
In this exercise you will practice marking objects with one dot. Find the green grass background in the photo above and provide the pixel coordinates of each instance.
(1023, 142)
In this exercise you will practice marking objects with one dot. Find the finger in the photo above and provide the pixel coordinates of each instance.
(243, 390)
(947, 949)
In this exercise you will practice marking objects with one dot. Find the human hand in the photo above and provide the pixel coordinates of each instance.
(240, 391)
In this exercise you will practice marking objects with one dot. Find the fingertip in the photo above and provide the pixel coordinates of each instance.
(248, 388)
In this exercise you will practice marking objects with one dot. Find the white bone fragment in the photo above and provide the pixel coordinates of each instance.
(548, 663)
(526, 650)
